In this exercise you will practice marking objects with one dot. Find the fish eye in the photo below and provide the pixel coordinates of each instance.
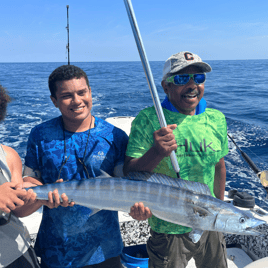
(242, 220)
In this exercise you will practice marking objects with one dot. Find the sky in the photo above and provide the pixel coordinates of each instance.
(35, 30)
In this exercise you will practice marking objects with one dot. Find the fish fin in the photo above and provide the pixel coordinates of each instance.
(139, 176)
(201, 211)
(94, 211)
(195, 235)
(104, 174)
(197, 187)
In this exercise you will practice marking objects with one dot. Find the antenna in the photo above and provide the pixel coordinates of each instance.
(68, 44)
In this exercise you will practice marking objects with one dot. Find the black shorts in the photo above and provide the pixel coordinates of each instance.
(175, 250)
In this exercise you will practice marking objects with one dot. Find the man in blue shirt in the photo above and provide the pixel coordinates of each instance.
(77, 146)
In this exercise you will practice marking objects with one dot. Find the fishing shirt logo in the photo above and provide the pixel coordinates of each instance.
(99, 157)
(202, 146)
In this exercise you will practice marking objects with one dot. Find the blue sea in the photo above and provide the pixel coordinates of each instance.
(236, 88)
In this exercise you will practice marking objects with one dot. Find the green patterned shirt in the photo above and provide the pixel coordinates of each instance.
(202, 142)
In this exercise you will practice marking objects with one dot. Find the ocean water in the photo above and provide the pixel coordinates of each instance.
(236, 88)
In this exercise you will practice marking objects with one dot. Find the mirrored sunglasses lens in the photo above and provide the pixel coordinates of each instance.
(199, 78)
(181, 79)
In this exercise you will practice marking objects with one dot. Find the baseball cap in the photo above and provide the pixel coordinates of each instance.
(181, 60)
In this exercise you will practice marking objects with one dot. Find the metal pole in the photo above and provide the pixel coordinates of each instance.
(149, 77)
(68, 44)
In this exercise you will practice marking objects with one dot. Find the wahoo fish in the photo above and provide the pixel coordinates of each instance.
(178, 201)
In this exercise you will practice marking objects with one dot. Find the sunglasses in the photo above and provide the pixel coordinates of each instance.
(183, 79)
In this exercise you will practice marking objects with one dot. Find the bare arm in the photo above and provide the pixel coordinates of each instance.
(220, 179)
(14, 164)
(28, 198)
(10, 197)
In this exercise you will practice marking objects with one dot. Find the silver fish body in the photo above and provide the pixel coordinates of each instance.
(174, 200)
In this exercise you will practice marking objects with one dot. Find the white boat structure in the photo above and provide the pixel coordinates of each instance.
(242, 251)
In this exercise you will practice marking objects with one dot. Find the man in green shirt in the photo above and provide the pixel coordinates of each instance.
(199, 136)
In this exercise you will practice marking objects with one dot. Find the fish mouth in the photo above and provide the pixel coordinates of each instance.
(252, 229)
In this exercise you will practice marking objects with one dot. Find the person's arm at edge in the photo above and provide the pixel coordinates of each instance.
(15, 166)
(10, 197)
(220, 179)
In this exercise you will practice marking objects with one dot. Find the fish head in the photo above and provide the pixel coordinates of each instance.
(237, 222)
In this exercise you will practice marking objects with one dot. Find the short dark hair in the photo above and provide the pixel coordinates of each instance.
(63, 73)
(4, 100)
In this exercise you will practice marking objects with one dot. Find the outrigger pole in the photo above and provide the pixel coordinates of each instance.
(68, 45)
(149, 77)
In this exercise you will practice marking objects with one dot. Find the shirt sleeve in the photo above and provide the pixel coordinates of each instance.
(141, 136)
(121, 140)
(31, 159)
(225, 148)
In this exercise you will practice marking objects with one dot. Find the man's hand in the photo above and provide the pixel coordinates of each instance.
(139, 212)
(54, 199)
(10, 198)
(164, 140)
(30, 196)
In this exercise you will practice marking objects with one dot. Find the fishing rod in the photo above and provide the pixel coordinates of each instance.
(262, 175)
(68, 44)
(149, 77)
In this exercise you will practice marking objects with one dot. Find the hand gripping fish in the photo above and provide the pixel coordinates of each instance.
(178, 201)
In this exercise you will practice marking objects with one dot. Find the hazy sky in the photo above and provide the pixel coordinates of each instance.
(35, 30)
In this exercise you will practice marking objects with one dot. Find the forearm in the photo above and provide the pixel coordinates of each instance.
(220, 179)
(27, 210)
(148, 162)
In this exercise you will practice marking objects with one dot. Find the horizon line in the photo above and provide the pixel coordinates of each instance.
(112, 61)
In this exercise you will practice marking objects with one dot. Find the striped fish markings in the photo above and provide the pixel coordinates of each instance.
(174, 200)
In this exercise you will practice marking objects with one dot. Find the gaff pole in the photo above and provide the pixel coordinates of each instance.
(149, 77)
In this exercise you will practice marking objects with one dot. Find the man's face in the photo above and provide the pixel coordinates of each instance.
(185, 98)
(74, 100)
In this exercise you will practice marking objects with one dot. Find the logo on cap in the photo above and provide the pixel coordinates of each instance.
(188, 56)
